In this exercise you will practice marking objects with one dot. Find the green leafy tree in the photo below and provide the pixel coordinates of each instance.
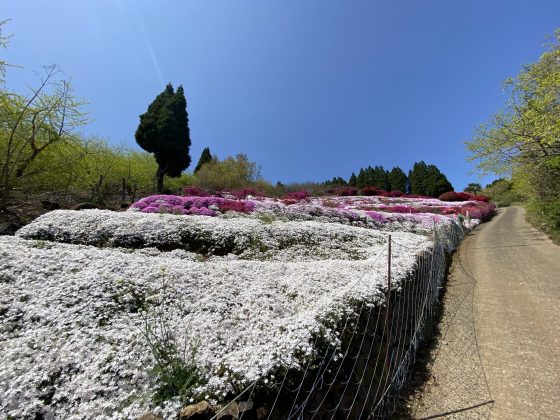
(164, 131)
(397, 179)
(231, 173)
(523, 139)
(205, 157)
(32, 125)
(473, 188)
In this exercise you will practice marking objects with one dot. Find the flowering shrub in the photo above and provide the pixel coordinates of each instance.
(195, 191)
(343, 191)
(245, 192)
(482, 198)
(237, 206)
(479, 210)
(455, 196)
(298, 195)
(372, 191)
(395, 193)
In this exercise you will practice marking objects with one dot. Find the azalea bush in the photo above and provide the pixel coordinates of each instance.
(343, 191)
(195, 191)
(297, 195)
(245, 192)
(455, 196)
(372, 191)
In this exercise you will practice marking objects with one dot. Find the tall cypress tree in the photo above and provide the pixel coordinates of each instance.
(353, 181)
(164, 131)
(205, 157)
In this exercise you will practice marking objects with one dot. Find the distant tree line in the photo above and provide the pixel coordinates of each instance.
(422, 179)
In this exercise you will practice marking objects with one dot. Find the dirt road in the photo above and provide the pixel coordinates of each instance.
(499, 352)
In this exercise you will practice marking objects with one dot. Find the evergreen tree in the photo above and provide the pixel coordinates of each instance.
(437, 182)
(397, 180)
(418, 178)
(428, 180)
(353, 181)
(164, 131)
(370, 176)
(205, 157)
(380, 179)
(362, 180)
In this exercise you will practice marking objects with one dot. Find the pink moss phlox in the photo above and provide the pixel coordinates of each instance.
(397, 209)
(377, 217)
(200, 211)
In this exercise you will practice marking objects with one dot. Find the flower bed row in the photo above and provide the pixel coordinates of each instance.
(72, 315)
(385, 213)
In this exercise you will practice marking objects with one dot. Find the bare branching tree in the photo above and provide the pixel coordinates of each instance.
(31, 124)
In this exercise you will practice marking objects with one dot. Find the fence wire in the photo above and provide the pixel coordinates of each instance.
(360, 375)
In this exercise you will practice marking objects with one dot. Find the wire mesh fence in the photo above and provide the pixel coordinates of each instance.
(360, 375)
(455, 384)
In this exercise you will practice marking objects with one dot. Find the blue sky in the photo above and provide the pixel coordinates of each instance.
(308, 89)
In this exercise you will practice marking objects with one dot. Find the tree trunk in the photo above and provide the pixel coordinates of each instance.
(4, 195)
(159, 176)
(123, 190)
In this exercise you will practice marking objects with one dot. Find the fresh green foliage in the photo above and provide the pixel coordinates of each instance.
(32, 125)
(523, 139)
(230, 173)
(502, 192)
(175, 370)
(164, 131)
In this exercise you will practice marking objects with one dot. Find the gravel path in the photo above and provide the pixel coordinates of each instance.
(498, 355)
